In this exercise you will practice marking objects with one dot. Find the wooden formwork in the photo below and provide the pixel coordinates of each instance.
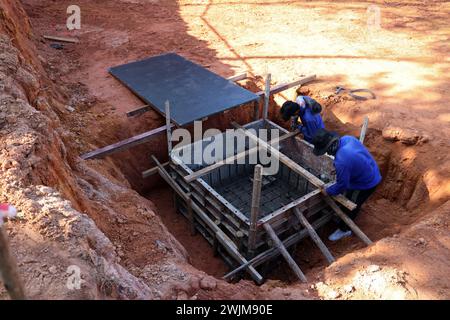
(238, 223)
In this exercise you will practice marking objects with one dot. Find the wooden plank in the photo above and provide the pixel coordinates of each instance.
(295, 167)
(139, 110)
(124, 144)
(8, 269)
(238, 77)
(299, 201)
(152, 171)
(273, 124)
(365, 125)
(288, 222)
(168, 126)
(314, 236)
(254, 213)
(285, 253)
(147, 107)
(281, 87)
(273, 252)
(237, 256)
(61, 39)
(199, 173)
(347, 220)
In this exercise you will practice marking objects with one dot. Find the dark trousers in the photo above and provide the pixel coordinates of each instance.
(358, 197)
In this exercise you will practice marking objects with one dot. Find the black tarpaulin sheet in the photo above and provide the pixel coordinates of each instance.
(192, 91)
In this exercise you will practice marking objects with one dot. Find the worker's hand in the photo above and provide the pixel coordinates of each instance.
(294, 123)
(323, 190)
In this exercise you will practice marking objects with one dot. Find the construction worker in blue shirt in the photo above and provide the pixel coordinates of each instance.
(357, 173)
(308, 110)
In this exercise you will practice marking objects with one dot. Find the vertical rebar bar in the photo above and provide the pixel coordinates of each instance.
(364, 129)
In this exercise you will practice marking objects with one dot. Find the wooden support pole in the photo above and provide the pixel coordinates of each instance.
(295, 166)
(284, 86)
(138, 111)
(168, 127)
(347, 220)
(124, 144)
(200, 173)
(61, 39)
(238, 77)
(267, 96)
(152, 171)
(8, 270)
(362, 136)
(314, 236)
(226, 242)
(273, 252)
(254, 212)
(277, 242)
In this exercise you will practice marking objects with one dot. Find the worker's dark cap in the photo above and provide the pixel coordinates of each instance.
(322, 140)
(288, 109)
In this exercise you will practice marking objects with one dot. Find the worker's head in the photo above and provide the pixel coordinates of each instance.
(324, 142)
(289, 109)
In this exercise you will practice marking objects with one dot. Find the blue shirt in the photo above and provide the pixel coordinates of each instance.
(356, 169)
(310, 122)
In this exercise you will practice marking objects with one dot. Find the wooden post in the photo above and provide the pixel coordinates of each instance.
(273, 252)
(8, 270)
(314, 236)
(168, 126)
(254, 213)
(285, 253)
(347, 220)
(364, 129)
(267, 96)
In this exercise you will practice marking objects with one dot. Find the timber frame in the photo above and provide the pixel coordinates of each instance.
(249, 239)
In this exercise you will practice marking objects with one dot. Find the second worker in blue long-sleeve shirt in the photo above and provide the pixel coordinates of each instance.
(357, 173)
(308, 110)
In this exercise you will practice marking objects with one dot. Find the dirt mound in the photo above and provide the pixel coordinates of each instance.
(70, 214)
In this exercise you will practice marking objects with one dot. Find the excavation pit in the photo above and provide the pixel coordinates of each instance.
(217, 198)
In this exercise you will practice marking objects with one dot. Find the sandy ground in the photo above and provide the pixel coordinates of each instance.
(404, 61)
